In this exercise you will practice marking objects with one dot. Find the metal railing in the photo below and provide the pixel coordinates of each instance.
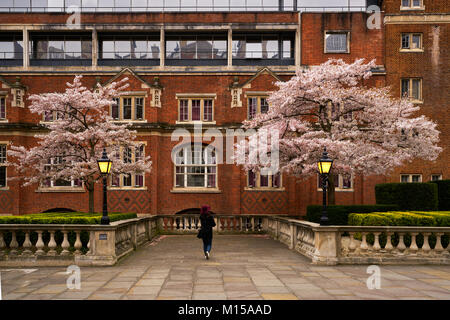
(90, 6)
(66, 55)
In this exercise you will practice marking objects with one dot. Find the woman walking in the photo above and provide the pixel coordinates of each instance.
(207, 223)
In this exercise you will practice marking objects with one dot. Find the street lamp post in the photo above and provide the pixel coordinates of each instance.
(104, 165)
(324, 164)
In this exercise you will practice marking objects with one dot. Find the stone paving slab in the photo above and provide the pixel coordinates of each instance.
(241, 267)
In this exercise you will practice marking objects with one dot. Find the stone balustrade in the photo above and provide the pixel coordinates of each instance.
(91, 245)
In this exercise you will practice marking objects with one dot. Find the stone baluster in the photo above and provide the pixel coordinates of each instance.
(65, 244)
(352, 244)
(78, 243)
(438, 248)
(51, 244)
(376, 241)
(252, 221)
(388, 247)
(91, 234)
(40, 244)
(364, 246)
(13, 245)
(27, 244)
(426, 246)
(241, 223)
(413, 248)
(401, 243)
(2, 244)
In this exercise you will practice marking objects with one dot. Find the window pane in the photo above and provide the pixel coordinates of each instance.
(405, 3)
(188, 49)
(139, 180)
(173, 49)
(405, 41)
(253, 50)
(207, 111)
(127, 155)
(251, 179)
(115, 180)
(56, 49)
(6, 50)
(336, 42)
(405, 87)
(127, 108)
(154, 49)
(416, 3)
(287, 49)
(204, 48)
(2, 108)
(346, 183)
(238, 48)
(62, 183)
(184, 111)
(2, 176)
(139, 49)
(2, 153)
(220, 49)
(252, 104)
(127, 180)
(73, 49)
(405, 178)
(416, 41)
(276, 179)
(416, 178)
(270, 49)
(179, 180)
(122, 49)
(108, 49)
(197, 180)
(195, 110)
(416, 89)
(115, 109)
(264, 105)
(264, 180)
(139, 105)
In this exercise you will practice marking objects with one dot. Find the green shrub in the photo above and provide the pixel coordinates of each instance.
(408, 196)
(64, 218)
(443, 194)
(338, 214)
(398, 218)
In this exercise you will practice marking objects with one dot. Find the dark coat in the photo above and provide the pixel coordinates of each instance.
(207, 223)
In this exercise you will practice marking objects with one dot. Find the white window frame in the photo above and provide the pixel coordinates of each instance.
(133, 176)
(258, 186)
(186, 165)
(258, 98)
(410, 35)
(346, 32)
(133, 98)
(5, 119)
(410, 175)
(411, 5)
(410, 89)
(3, 164)
(202, 109)
(53, 187)
(436, 175)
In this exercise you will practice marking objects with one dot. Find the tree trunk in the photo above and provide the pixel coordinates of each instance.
(331, 187)
(90, 188)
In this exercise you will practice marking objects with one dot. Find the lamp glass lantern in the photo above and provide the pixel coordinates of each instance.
(104, 164)
(325, 163)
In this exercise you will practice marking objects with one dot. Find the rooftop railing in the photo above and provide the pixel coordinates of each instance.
(89, 6)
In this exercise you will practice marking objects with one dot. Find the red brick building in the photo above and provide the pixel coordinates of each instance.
(216, 68)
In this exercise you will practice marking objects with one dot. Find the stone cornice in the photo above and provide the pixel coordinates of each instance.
(417, 18)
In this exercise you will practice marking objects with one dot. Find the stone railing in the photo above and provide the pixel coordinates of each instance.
(363, 244)
(182, 224)
(92, 245)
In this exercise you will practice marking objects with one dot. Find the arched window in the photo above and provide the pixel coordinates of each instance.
(195, 167)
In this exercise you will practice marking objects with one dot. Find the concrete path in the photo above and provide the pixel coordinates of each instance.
(241, 267)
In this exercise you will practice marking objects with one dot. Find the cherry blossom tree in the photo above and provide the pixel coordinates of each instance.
(80, 129)
(365, 130)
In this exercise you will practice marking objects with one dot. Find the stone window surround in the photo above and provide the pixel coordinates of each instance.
(195, 96)
(6, 187)
(347, 32)
(416, 101)
(410, 175)
(259, 95)
(421, 49)
(133, 176)
(258, 183)
(338, 187)
(133, 95)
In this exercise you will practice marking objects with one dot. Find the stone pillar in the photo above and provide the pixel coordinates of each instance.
(162, 45)
(326, 243)
(230, 48)
(26, 49)
(298, 42)
(102, 248)
(94, 49)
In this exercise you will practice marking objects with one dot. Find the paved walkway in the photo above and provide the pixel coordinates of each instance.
(241, 267)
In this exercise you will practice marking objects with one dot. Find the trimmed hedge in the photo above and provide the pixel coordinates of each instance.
(411, 218)
(396, 218)
(338, 214)
(64, 218)
(408, 196)
(443, 194)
